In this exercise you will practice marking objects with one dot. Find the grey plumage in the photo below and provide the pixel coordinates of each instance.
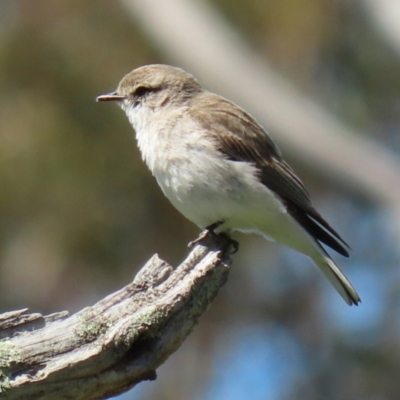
(215, 162)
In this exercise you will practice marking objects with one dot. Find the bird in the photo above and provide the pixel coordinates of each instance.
(221, 169)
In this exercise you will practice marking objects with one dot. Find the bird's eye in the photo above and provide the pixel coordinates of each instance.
(141, 91)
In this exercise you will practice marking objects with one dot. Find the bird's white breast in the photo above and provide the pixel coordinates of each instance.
(198, 180)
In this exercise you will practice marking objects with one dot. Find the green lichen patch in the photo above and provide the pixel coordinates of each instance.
(9, 355)
(90, 329)
(127, 338)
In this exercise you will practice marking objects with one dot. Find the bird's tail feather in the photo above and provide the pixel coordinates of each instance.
(338, 280)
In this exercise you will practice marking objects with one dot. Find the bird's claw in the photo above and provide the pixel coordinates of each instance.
(203, 235)
(209, 232)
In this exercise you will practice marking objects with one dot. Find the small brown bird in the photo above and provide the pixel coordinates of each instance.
(220, 168)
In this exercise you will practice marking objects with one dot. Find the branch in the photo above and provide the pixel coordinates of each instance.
(108, 348)
(385, 14)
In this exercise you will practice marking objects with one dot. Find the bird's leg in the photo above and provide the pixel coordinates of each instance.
(210, 231)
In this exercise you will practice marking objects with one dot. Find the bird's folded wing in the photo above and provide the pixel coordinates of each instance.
(241, 138)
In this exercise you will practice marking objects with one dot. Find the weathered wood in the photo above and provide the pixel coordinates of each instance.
(105, 349)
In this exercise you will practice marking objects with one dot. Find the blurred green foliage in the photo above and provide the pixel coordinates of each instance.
(79, 211)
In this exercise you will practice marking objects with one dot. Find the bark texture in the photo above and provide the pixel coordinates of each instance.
(107, 348)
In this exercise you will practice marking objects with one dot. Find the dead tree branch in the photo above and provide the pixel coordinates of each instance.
(105, 349)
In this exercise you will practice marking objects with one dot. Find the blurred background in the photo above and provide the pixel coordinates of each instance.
(80, 212)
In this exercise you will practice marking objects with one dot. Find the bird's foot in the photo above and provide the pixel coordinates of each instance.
(210, 232)
(203, 235)
(232, 243)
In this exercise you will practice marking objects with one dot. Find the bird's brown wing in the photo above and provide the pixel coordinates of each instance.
(241, 138)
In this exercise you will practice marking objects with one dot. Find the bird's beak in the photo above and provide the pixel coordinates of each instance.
(112, 96)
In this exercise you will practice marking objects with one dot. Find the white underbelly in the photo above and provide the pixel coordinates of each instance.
(219, 191)
(242, 205)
